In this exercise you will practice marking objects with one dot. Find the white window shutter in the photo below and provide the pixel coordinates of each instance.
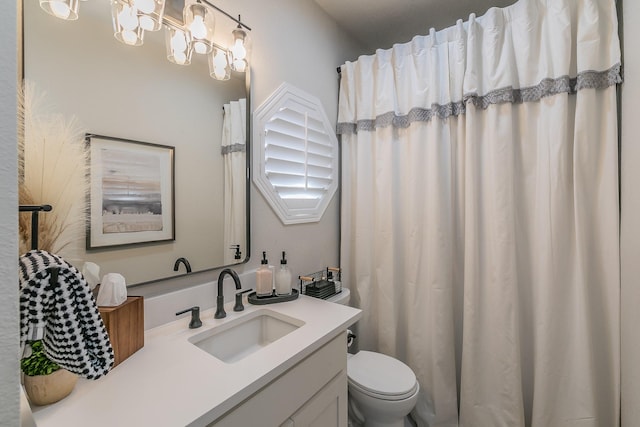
(295, 159)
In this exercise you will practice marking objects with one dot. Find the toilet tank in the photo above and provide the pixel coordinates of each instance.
(341, 298)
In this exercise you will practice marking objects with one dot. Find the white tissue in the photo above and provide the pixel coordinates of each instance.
(113, 290)
(91, 273)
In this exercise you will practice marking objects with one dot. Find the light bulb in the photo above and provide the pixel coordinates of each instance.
(146, 23)
(178, 42)
(219, 72)
(129, 37)
(180, 57)
(198, 28)
(240, 65)
(200, 47)
(238, 50)
(178, 45)
(60, 9)
(127, 18)
(220, 60)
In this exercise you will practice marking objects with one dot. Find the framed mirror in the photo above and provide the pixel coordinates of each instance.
(135, 94)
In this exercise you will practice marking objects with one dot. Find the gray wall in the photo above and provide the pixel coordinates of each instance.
(293, 41)
(630, 220)
(9, 335)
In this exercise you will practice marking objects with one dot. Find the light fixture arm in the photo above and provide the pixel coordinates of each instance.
(237, 21)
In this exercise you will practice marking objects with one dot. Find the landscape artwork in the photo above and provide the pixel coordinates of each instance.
(131, 192)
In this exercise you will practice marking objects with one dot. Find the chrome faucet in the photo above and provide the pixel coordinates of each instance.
(220, 313)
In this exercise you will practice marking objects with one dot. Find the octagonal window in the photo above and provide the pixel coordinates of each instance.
(295, 159)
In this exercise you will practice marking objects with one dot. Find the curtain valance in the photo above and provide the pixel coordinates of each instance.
(509, 54)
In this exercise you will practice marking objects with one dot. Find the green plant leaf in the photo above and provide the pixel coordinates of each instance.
(38, 363)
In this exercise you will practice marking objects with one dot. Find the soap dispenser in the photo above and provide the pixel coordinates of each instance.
(283, 277)
(264, 278)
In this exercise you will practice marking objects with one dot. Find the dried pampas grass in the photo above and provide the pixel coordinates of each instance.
(53, 170)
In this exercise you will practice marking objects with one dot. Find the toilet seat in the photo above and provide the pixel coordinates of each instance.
(380, 376)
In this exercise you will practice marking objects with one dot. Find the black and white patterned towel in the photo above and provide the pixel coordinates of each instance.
(64, 315)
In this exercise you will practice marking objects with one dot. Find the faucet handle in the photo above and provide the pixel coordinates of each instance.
(239, 306)
(195, 317)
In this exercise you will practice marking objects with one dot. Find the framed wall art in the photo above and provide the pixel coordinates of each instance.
(131, 192)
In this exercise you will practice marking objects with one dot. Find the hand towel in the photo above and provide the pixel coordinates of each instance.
(63, 314)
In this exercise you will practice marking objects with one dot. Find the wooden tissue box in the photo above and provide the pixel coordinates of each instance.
(125, 326)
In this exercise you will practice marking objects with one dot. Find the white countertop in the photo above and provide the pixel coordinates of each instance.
(171, 382)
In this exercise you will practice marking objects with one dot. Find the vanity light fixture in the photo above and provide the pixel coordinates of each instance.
(126, 25)
(219, 67)
(150, 13)
(178, 42)
(131, 18)
(239, 49)
(199, 20)
(63, 9)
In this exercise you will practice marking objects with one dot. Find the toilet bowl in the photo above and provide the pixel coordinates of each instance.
(382, 390)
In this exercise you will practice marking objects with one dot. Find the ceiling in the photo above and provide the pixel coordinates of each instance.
(381, 23)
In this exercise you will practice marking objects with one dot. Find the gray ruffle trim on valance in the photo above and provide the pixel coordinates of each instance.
(233, 148)
(547, 87)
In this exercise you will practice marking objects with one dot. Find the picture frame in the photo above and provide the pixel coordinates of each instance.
(131, 196)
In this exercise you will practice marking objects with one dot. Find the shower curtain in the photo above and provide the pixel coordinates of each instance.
(480, 214)
(234, 129)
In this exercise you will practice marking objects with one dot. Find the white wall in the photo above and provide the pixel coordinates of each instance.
(296, 42)
(9, 336)
(630, 219)
(293, 41)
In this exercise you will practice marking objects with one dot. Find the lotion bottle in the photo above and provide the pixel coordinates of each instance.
(264, 278)
(283, 277)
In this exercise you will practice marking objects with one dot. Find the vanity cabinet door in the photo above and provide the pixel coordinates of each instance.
(316, 385)
(328, 408)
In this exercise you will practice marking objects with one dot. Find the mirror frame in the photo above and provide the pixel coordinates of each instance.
(248, 155)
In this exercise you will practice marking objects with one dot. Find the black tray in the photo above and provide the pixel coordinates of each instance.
(272, 299)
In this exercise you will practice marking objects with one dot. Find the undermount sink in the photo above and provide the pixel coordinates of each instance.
(241, 337)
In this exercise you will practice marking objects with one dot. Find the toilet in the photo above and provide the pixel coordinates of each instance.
(382, 390)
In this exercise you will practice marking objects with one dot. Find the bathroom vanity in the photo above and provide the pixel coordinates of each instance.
(275, 365)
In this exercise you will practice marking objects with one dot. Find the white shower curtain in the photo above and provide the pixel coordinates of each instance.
(480, 214)
(234, 129)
